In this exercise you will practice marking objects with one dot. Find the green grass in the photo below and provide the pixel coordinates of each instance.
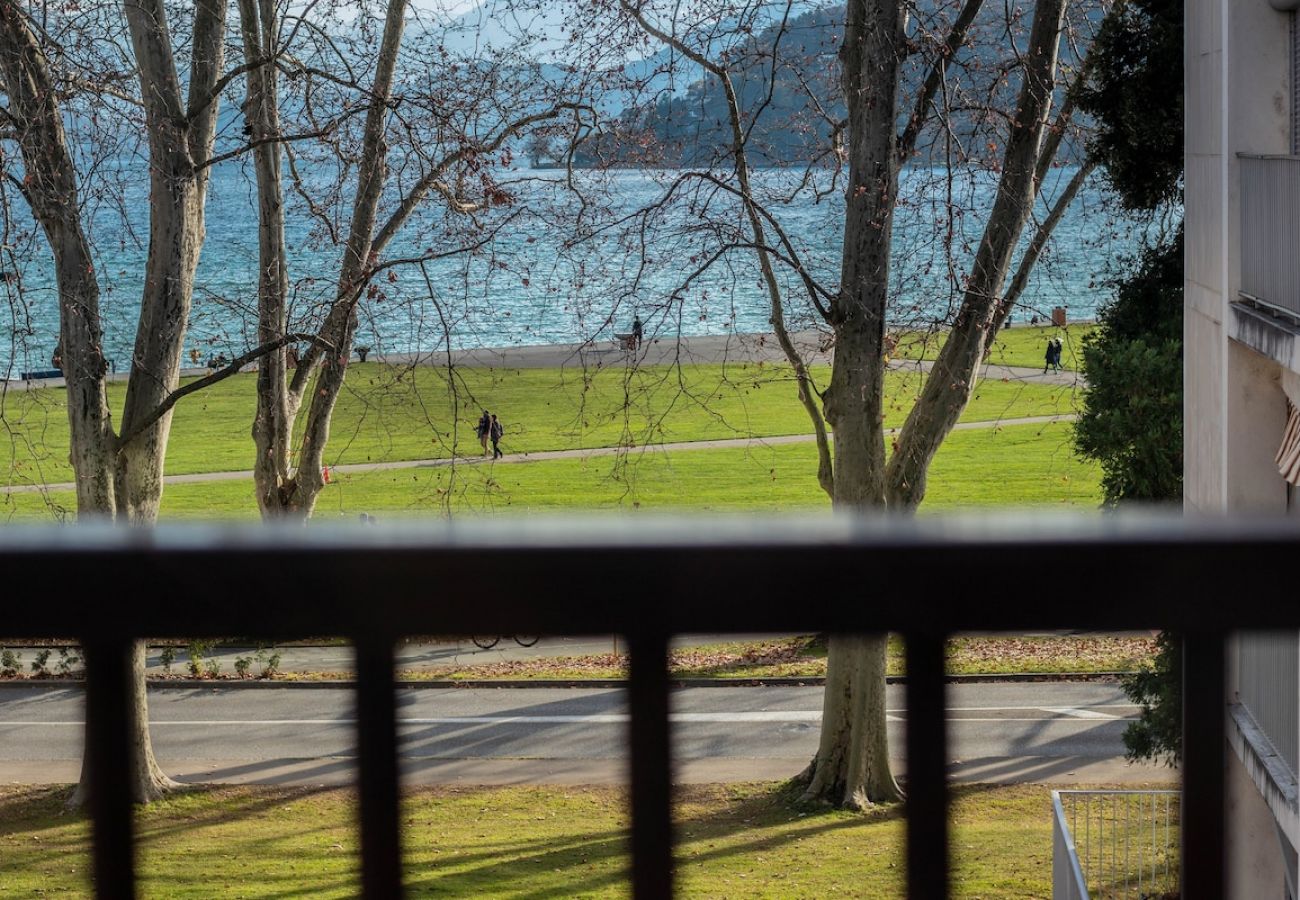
(732, 841)
(1014, 466)
(400, 413)
(1022, 346)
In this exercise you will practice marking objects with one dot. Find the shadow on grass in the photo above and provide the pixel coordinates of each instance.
(285, 842)
(708, 821)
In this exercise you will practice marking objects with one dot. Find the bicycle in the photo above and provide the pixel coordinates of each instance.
(487, 642)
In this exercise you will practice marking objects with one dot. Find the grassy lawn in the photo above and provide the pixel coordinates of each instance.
(733, 841)
(400, 413)
(1013, 466)
(1021, 345)
(805, 656)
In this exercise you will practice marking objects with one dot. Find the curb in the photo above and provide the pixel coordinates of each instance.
(484, 683)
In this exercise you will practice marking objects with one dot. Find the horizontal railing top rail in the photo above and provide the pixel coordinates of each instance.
(924, 578)
(674, 575)
(1118, 793)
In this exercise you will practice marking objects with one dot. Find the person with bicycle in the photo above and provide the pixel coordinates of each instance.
(488, 641)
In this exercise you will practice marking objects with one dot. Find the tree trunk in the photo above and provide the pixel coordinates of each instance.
(178, 146)
(148, 782)
(851, 768)
(340, 325)
(276, 406)
(852, 763)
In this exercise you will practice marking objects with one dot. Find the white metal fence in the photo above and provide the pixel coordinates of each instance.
(1115, 845)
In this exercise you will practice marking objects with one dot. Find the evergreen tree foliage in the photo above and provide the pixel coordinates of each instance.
(1132, 421)
(1132, 418)
(1158, 689)
(1135, 95)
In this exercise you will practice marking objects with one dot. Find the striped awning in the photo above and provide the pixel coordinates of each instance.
(1288, 455)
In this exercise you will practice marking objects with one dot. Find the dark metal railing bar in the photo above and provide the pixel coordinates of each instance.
(652, 824)
(110, 758)
(1204, 746)
(381, 849)
(927, 776)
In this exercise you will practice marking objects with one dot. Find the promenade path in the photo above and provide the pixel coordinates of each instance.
(703, 349)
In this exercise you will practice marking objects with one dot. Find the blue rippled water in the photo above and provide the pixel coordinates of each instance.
(533, 283)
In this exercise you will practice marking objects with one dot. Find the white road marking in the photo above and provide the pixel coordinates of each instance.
(1079, 713)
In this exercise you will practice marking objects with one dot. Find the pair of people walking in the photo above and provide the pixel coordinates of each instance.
(489, 428)
(1053, 356)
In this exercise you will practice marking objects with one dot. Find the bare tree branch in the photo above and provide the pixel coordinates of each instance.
(433, 180)
(1035, 249)
(921, 109)
(220, 375)
(807, 390)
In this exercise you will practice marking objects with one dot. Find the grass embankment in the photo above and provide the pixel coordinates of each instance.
(1019, 346)
(390, 413)
(733, 841)
(805, 657)
(1014, 466)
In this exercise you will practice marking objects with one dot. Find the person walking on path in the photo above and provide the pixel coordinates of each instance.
(496, 431)
(1053, 357)
(637, 330)
(484, 429)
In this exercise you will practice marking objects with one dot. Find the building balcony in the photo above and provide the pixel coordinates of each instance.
(1266, 317)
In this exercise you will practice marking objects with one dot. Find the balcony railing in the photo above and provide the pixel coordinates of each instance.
(924, 579)
(1108, 845)
(1268, 678)
(1270, 231)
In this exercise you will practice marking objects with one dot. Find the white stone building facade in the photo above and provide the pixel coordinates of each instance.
(1242, 381)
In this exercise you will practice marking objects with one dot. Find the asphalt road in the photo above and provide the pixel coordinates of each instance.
(1067, 732)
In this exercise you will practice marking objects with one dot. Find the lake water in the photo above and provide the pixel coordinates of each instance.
(557, 270)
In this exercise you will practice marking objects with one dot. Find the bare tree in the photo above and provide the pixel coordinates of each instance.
(879, 136)
(444, 134)
(119, 474)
